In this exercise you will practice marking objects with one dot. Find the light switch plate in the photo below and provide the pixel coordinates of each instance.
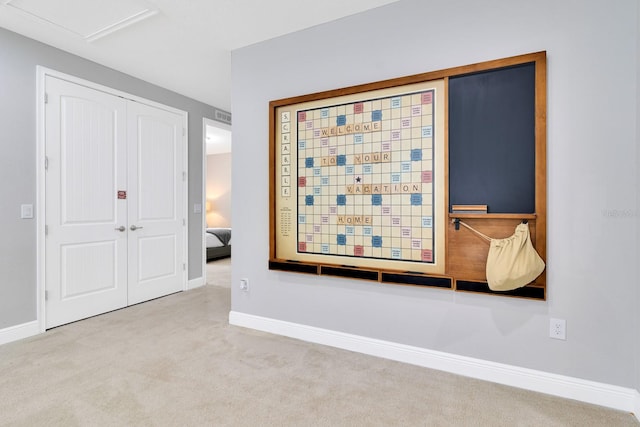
(26, 211)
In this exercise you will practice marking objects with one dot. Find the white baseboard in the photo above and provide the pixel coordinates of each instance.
(611, 396)
(195, 283)
(18, 332)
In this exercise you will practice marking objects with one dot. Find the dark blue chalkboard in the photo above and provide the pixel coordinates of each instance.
(492, 139)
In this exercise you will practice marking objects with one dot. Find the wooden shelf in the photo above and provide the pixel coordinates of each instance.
(493, 216)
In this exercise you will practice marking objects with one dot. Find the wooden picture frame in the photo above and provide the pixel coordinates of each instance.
(363, 179)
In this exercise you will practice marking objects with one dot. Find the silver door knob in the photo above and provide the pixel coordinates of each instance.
(121, 228)
(134, 228)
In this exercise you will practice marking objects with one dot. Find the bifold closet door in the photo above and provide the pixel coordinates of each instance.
(114, 202)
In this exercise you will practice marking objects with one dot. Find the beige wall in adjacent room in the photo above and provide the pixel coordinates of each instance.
(219, 190)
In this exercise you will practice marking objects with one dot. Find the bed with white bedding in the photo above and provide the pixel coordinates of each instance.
(218, 242)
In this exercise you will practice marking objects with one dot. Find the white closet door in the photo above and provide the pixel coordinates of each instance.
(114, 202)
(86, 242)
(156, 202)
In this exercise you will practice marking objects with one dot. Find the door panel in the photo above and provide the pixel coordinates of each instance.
(157, 146)
(86, 151)
(87, 268)
(156, 202)
(159, 261)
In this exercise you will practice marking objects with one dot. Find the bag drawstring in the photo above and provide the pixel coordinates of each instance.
(484, 236)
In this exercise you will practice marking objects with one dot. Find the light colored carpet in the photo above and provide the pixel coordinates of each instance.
(219, 272)
(175, 361)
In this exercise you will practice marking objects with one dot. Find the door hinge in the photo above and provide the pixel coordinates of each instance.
(46, 98)
(184, 266)
(46, 295)
(184, 176)
(46, 163)
(184, 222)
(46, 230)
(184, 132)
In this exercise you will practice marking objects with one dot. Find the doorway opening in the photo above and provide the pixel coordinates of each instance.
(217, 196)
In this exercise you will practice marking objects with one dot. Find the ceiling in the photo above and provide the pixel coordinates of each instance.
(181, 45)
(218, 138)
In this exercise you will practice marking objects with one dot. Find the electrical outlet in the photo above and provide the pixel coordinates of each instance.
(244, 285)
(558, 329)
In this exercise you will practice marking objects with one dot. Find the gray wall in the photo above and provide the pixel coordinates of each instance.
(592, 180)
(19, 57)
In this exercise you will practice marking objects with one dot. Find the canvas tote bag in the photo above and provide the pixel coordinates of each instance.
(512, 262)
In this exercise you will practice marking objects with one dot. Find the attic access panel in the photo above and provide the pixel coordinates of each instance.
(89, 20)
